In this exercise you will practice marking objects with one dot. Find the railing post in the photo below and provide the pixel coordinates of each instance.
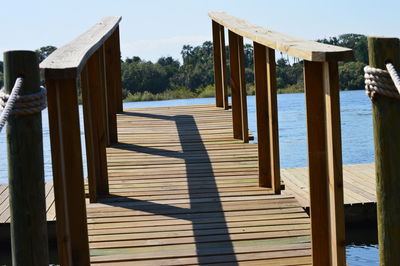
(117, 71)
(221, 92)
(267, 117)
(93, 95)
(25, 164)
(385, 113)
(72, 234)
(113, 83)
(321, 81)
(238, 87)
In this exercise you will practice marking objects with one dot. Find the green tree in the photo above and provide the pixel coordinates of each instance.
(351, 76)
(141, 76)
(44, 52)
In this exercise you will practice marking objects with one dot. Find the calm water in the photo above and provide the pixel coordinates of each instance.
(356, 136)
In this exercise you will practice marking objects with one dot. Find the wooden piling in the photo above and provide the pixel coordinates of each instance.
(25, 166)
(386, 120)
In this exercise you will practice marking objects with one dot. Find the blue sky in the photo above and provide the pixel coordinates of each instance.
(155, 28)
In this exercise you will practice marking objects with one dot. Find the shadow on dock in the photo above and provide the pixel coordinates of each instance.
(202, 210)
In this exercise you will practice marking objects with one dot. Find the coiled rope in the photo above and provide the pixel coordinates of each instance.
(16, 104)
(384, 82)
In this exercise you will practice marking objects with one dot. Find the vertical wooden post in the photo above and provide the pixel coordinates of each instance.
(267, 120)
(113, 83)
(103, 91)
(334, 163)
(243, 92)
(238, 87)
(72, 234)
(117, 71)
(221, 94)
(25, 166)
(385, 114)
(218, 81)
(223, 67)
(325, 163)
(93, 96)
(235, 85)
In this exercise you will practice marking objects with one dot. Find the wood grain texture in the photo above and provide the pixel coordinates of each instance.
(69, 60)
(113, 83)
(218, 78)
(235, 81)
(387, 145)
(68, 171)
(317, 154)
(92, 82)
(273, 121)
(26, 166)
(307, 50)
(334, 162)
(183, 192)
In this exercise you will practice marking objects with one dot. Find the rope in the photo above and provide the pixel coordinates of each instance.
(384, 82)
(16, 104)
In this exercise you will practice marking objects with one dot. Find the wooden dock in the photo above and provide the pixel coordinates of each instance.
(182, 191)
(359, 184)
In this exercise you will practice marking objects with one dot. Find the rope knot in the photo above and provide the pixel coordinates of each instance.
(21, 104)
(384, 82)
(25, 104)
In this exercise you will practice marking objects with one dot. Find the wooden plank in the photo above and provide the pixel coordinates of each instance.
(307, 50)
(113, 83)
(280, 258)
(117, 70)
(334, 161)
(223, 67)
(243, 92)
(218, 78)
(95, 126)
(68, 172)
(273, 121)
(262, 110)
(317, 154)
(235, 85)
(69, 60)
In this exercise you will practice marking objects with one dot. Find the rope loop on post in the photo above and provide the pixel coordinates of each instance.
(384, 82)
(16, 104)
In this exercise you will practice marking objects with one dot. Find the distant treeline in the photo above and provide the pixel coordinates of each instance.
(168, 78)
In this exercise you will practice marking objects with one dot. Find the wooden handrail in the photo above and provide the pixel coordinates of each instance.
(93, 59)
(307, 50)
(68, 61)
(321, 85)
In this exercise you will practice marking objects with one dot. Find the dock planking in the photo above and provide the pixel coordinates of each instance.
(182, 191)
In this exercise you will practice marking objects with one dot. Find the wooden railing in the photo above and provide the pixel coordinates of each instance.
(321, 84)
(93, 61)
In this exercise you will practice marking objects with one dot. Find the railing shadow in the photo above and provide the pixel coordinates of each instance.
(202, 210)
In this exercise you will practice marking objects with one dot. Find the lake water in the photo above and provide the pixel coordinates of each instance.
(357, 142)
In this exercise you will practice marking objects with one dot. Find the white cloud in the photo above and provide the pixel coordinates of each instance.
(154, 49)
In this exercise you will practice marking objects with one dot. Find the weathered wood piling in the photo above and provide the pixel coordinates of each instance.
(25, 166)
(386, 119)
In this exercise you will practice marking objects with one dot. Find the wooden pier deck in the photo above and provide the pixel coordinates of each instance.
(182, 191)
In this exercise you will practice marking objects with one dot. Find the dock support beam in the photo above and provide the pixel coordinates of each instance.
(66, 154)
(238, 87)
(386, 120)
(26, 167)
(267, 117)
(221, 91)
(321, 82)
